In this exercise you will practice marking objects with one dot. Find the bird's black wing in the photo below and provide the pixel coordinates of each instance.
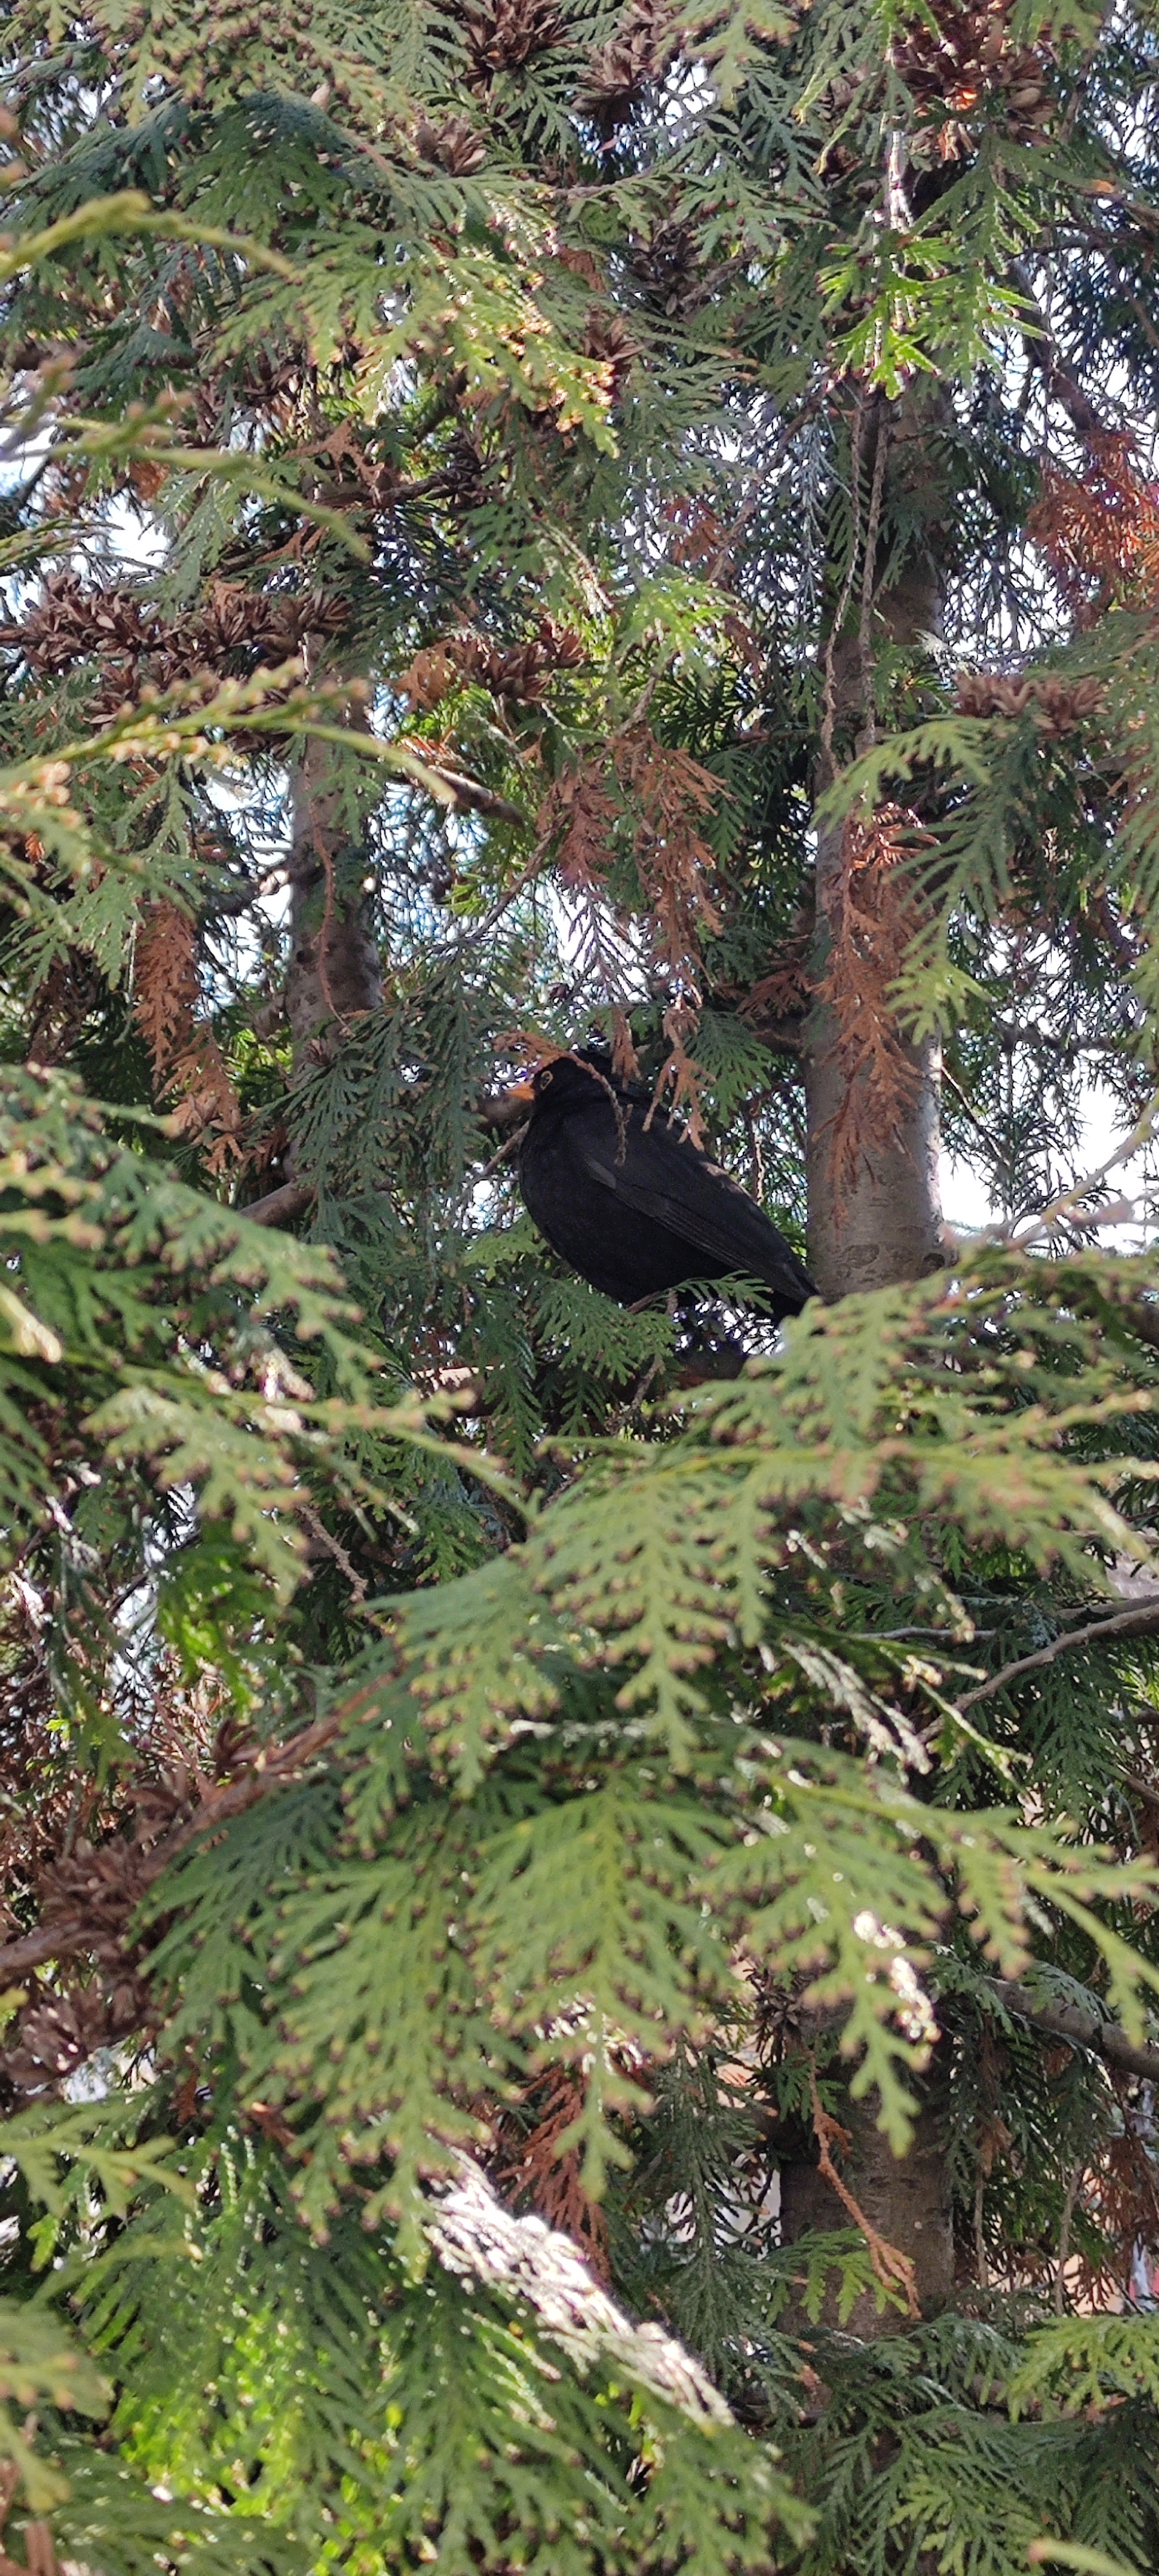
(662, 1177)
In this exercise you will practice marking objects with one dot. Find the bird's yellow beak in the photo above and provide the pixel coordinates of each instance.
(524, 1092)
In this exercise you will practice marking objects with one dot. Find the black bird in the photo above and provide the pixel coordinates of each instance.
(635, 1207)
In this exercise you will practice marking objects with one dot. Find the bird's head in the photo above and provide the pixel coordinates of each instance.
(558, 1084)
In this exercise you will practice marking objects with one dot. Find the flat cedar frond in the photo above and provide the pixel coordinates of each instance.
(870, 921)
(476, 465)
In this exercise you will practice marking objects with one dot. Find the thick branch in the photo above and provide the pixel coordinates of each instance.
(1142, 1621)
(1084, 2029)
(281, 1206)
(785, 1036)
(1039, 340)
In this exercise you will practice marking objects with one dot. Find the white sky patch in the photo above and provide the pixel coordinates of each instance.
(967, 1205)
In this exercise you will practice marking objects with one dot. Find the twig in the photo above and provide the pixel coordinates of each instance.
(1142, 1621)
(471, 797)
(1044, 1222)
(891, 2267)
(332, 1546)
(1039, 339)
(509, 1146)
(478, 930)
(968, 1110)
(500, 1112)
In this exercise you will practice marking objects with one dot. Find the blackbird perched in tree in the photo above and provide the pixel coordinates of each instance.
(631, 1204)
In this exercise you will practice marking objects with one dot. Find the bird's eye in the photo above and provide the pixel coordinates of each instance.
(545, 1078)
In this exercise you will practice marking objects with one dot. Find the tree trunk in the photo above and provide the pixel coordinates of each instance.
(874, 1226)
(884, 1223)
(905, 2199)
(334, 971)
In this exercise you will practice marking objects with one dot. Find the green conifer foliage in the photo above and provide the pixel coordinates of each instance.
(579, 1975)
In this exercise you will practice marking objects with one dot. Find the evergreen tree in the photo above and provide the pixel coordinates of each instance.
(579, 1959)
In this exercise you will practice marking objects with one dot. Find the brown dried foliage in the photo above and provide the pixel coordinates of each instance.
(786, 992)
(77, 1854)
(529, 2170)
(579, 808)
(60, 1006)
(671, 793)
(1122, 2195)
(700, 535)
(1100, 532)
(662, 796)
(869, 913)
(77, 1847)
(187, 1061)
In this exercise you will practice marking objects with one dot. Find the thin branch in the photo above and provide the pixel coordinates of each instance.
(1045, 1222)
(1142, 1621)
(488, 921)
(787, 1035)
(981, 2265)
(829, 691)
(1080, 2026)
(868, 573)
(1041, 345)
